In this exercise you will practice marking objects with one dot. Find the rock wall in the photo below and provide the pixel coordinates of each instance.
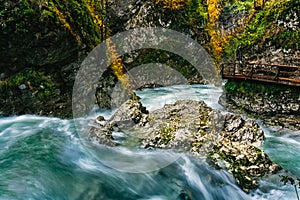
(270, 36)
(277, 105)
(42, 44)
(277, 100)
(51, 39)
(122, 16)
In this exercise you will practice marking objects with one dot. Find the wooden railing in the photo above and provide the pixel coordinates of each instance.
(274, 73)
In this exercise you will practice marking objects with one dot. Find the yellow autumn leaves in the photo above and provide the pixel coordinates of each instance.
(173, 4)
(117, 66)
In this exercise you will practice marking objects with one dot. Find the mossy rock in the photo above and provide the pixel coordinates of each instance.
(32, 92)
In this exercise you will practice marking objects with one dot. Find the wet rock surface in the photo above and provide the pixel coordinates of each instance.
(226, 140)
(280, 111)
(284, 103)
(283, 122)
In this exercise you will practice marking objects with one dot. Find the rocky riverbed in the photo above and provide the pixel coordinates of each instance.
(227, 141)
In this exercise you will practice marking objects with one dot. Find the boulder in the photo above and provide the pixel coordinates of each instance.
(227, 140)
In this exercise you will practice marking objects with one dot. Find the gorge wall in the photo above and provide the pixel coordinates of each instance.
(43, 43)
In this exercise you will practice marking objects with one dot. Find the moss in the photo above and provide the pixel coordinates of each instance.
(170, 59)
(263, 28)
(288, 39)
(81, 18)
(36, 82)
(251, 88)
(238, 168)
(244, 180)
(166, 134)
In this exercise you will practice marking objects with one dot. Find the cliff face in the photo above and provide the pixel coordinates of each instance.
(43, 42)
(271, 35)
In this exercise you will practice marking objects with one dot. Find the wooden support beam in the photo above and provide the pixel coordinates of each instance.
(275, 73)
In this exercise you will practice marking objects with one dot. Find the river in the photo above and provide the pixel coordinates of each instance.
(44, 158)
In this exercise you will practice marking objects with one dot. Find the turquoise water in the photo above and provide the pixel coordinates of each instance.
(43, 158)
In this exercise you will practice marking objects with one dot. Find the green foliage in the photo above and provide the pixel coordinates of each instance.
(242, 5)
(237, 6)
(263, 28)
(80, 18)
(250, 88)
(36, 82)
(196, 13)
(288, 39)
(174, 61)
(231, 87)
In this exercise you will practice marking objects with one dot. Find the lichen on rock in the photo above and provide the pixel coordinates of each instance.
(226, 140)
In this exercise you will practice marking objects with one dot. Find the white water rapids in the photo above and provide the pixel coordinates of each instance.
(43, 158)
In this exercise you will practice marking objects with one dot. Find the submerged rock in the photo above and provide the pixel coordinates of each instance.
(227, 141)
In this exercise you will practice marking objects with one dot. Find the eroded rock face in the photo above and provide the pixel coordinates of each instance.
(40, 53)
(46, 56)
(228, 141)
(131, 115)
(238, 149)
(278, 111)
(284, 103)
(283, 122)
(130, 15)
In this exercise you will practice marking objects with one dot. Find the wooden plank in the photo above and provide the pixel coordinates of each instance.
(264, 77)
(275, 65)
(261, 72)
(291, 73)
(289, 79)
(265, 80)
(236, 77)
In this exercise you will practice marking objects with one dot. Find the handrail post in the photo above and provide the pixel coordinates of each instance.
(222, 70)
(252, 70)
(277, 74)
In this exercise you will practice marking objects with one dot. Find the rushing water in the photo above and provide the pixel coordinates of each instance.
(43, 158)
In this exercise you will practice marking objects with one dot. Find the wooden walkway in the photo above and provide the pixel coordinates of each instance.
(272, 73)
